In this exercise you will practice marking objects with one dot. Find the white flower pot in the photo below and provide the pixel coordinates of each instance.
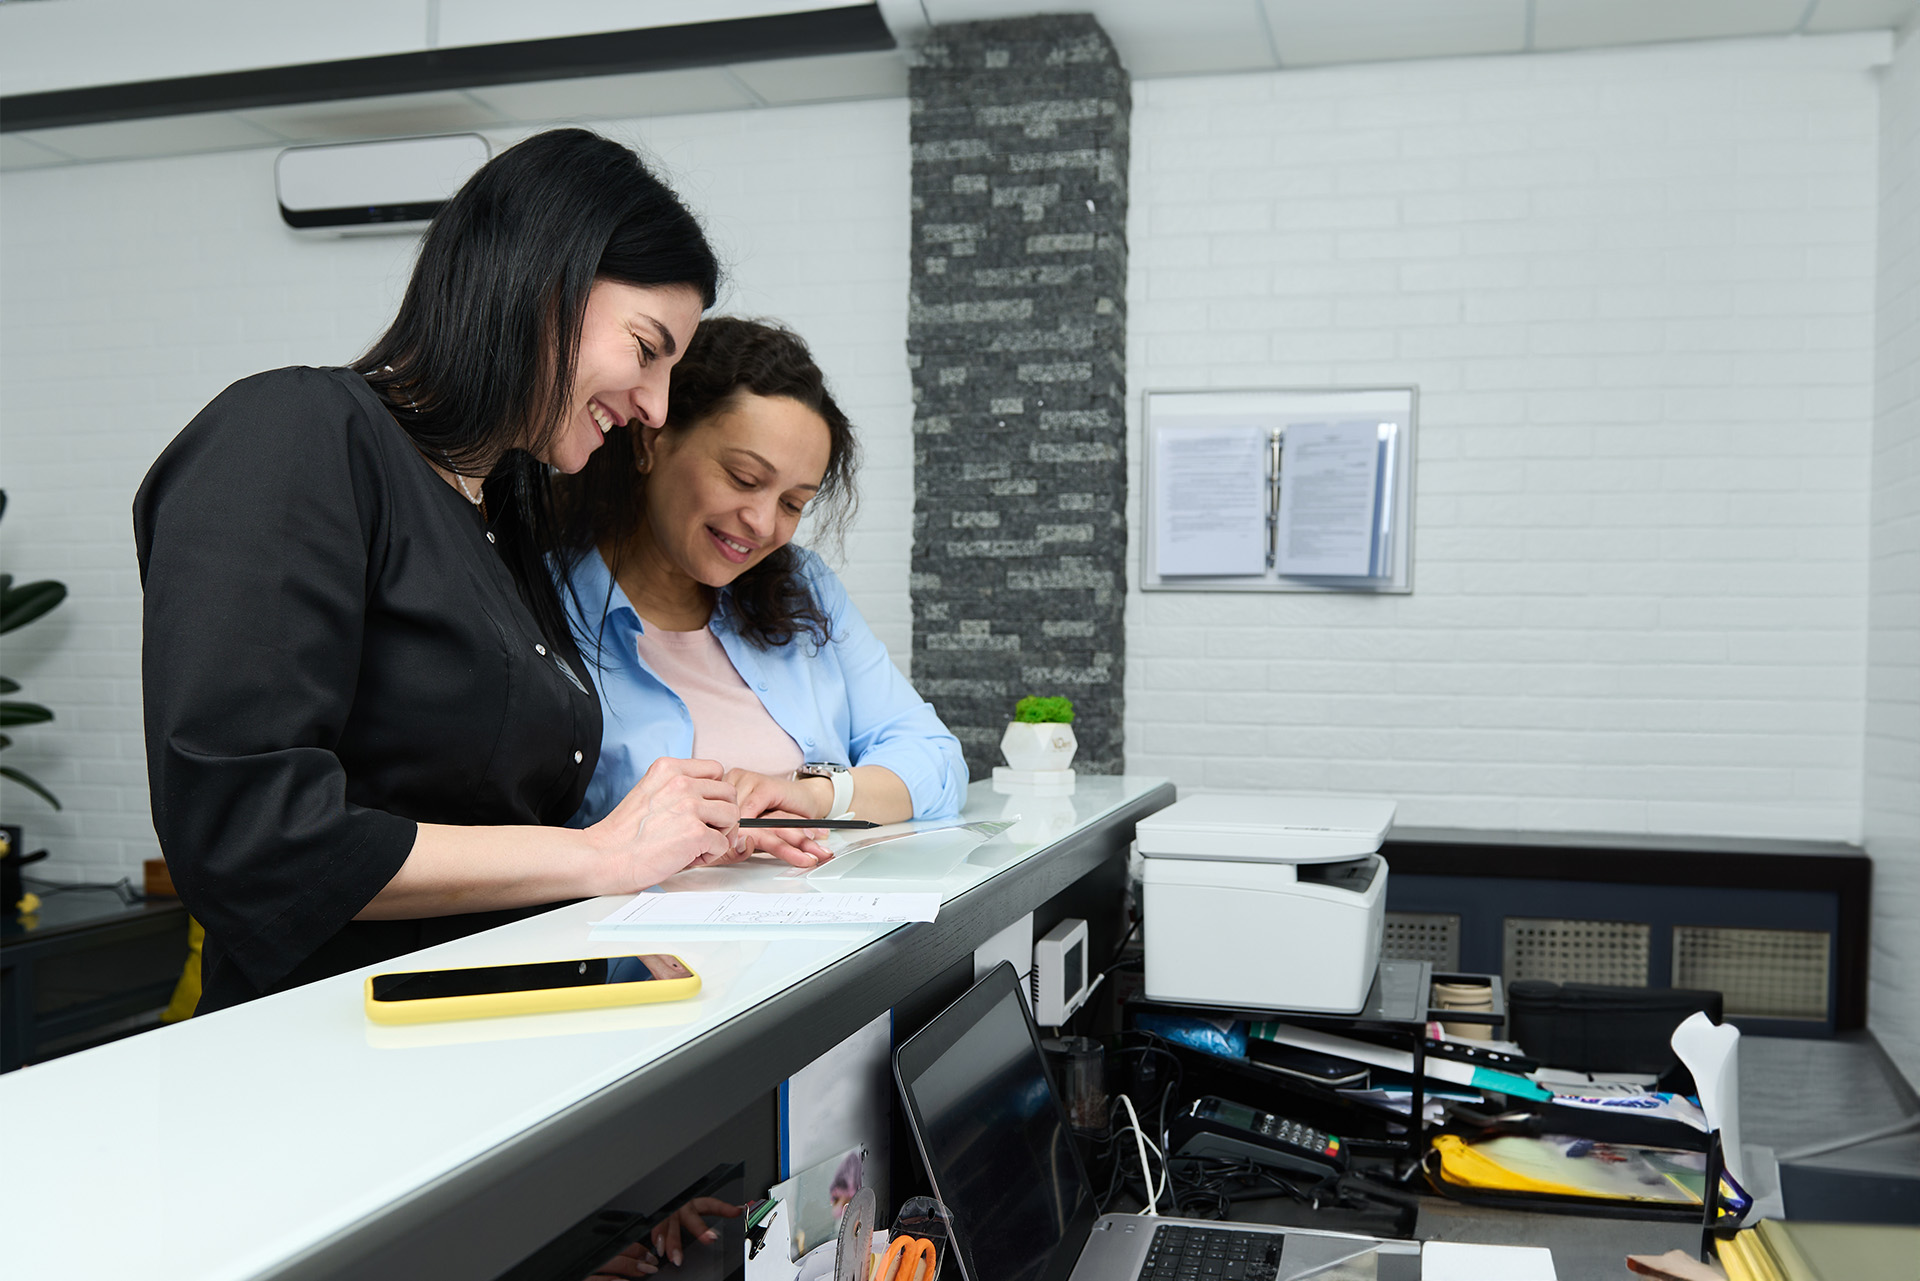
(1046, 745)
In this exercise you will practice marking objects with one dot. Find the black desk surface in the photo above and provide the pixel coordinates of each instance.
(67, 911)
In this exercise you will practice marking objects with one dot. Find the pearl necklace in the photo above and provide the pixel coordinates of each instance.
(478, 500)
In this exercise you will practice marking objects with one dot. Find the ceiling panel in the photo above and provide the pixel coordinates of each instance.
(1153, 37)
(1584, 24)
(160, 136)
(471, 22)
(1862, 15)
(76, 43)
(835, 78)
(1313, 32)
(655, 93)
(400, 115)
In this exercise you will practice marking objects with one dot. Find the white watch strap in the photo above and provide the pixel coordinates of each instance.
(842, 794)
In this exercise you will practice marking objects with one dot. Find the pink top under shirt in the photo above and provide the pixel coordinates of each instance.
(729, 723)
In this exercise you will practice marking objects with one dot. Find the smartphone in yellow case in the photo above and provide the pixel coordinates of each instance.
(487, 991)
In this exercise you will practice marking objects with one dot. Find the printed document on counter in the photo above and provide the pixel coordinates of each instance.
(723, 908)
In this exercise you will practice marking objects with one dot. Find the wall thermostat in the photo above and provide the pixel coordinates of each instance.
(1060, 973)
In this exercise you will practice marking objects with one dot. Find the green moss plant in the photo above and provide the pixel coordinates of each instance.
(1044, 711)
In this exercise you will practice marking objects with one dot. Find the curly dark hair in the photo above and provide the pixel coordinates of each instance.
(605, 504)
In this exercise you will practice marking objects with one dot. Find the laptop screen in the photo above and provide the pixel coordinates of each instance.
(994, 1136)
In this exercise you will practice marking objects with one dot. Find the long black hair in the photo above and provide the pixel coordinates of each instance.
(605, 504)
(478, 363)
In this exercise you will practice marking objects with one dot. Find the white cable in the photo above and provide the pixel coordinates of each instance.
(1146, 1171)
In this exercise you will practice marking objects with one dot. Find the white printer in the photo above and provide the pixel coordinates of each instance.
(1265, 901)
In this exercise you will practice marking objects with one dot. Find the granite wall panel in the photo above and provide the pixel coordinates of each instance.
(1016, 338)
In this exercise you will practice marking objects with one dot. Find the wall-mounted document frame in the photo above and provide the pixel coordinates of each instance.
(1220, 514)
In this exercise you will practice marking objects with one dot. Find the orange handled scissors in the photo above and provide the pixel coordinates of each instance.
(903, 1260)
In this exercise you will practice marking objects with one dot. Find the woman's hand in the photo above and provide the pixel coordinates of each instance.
(681, 813)
(688, 1220)
(637, 1260)
(634, 1261)
(799, 845)
(763, 794)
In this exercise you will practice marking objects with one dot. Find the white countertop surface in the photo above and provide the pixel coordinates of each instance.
(218, 1147)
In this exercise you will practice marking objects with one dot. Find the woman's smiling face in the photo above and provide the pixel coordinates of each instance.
(630, 338)
(725, 493)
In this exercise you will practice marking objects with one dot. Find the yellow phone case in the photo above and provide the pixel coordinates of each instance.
(496, 1004)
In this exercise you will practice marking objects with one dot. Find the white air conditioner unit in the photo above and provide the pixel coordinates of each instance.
(373, 188)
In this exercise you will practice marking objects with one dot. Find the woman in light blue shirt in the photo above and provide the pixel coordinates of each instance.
(711, 635)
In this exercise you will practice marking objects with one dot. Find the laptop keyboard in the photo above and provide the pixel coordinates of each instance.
(1181, 1253)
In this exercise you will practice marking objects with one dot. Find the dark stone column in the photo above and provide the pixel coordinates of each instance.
(1017, 341)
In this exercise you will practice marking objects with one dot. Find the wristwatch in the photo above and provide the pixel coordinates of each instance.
(841, 776)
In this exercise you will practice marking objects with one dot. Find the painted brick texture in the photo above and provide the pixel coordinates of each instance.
(131, 293)
(1017, 332)
(1636, 291)
(1892, 772)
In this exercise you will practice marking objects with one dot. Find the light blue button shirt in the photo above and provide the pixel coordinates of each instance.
(843, 701)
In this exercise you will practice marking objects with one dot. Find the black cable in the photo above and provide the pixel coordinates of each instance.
(122, 887)
(1219, 1182)
(1120, 952)
(1119, 957)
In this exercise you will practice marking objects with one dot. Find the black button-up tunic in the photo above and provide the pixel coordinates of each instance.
(333, 653)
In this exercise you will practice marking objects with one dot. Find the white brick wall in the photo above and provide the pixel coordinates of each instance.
(1641, 597)
(135, 291)
(1892, 783)
(1635, 289)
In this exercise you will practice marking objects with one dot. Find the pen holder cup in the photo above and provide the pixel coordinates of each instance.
(926, 1219)
(1080, 1072)
(1475, 997)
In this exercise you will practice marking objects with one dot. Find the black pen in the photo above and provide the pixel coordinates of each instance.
(836, 824)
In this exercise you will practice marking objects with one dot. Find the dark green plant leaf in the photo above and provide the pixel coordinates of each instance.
(5, 742)
(8, 771)
(8, 685)
(21, 605)
(12, 714)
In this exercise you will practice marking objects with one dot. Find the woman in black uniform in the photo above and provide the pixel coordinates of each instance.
(365, 716)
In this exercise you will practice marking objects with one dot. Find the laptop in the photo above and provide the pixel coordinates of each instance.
(995, 1139)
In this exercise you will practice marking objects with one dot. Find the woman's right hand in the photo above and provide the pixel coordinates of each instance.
(681, 812)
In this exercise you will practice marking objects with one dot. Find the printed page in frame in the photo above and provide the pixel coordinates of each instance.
(1329, 476)
(1210, 480)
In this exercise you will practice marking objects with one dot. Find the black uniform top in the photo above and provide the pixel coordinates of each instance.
(333, 653)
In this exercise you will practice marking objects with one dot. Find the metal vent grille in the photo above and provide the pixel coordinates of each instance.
(1773, 974)
(1611, 952)
(1423, 936)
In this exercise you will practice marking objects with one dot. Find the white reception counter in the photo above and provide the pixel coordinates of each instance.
(292, 1138)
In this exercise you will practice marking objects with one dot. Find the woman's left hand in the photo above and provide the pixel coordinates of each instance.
(634, 1261)
(763, 796)
(759, 794)
(684, 1223)
(688, 1221)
